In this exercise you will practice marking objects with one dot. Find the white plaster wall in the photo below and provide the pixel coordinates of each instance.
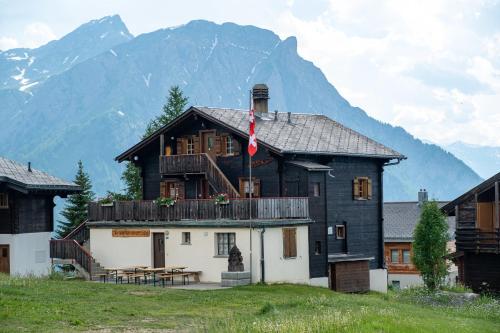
(378, 280)
(120, 251)
(29, 253)
(200, 255)
(406, 280)
(319, 282)
(279, 269)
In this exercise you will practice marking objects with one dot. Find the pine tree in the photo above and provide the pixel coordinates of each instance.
(75, 210)
(174, 107)
(429, 246)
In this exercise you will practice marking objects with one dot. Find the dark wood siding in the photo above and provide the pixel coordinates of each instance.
(363, 220)
(482, 271)
(27, 213)
(350, 276)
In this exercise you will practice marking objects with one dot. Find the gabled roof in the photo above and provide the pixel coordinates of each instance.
(304, 134)
(400, 219)
(487, 184)
(18, 176)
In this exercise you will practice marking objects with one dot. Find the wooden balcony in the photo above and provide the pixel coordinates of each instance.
(183, 164)
(198, 164)
(477, 240)
(236, 209)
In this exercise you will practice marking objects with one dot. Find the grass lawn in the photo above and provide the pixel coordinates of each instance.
(45, 305)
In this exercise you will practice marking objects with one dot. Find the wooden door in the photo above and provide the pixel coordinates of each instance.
(208, 143)
(4, 259)
(158, 249)
(333, 285)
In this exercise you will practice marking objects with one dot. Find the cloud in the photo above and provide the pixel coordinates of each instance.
(7, 43)
(432, 67)
(37, 34)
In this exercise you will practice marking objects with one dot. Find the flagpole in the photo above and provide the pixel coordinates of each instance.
(250, 192)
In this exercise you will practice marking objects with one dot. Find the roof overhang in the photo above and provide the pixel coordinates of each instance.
(127, 155)
(333, 258)
(449, 208)
(220, 223)
(39, 188)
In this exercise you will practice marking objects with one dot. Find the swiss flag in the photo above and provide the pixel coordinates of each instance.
(252, 141)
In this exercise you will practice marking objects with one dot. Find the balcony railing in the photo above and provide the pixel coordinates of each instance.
(478, 240)
(198, 163)
(236, 209)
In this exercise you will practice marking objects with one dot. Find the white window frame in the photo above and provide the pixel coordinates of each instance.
(226, 245)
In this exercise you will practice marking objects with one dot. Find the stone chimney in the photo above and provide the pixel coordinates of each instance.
(29, 167)
(422, 196)
(260, 95)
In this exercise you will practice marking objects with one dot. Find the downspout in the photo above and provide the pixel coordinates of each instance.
(262, 271)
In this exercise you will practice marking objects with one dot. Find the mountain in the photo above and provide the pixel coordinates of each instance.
(485, 160)
(98, 107)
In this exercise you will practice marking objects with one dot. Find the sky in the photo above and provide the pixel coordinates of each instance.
(432, 67)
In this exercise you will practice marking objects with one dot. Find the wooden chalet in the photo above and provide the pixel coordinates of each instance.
(317, 197)
(400, 220)
(26, 217)
(477, 214)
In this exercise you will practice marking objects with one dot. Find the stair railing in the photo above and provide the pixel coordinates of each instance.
(218, 179)
(70, 249)
(80, 233)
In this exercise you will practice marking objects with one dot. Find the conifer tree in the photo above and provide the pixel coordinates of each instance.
(429, 246)
(75, 209)
(175, 105)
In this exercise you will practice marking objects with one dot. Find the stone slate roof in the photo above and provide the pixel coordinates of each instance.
(400, 219)
(304, 134)
(17, 175)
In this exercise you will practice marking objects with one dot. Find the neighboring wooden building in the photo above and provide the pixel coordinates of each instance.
(314, 179)
(477, 214)
(400, 220)
(26, 217)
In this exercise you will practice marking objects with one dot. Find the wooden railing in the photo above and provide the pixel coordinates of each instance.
(478, 240)
(236, 209)
(70, 249)
(198, 163)
(80, 233)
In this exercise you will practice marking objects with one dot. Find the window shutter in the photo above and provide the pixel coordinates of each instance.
(179, 146)
(217, 145)
(236, 147)
(163, 189)
(196, 141)
(184, 145)
(293, 242)
(355, 188)
(286, 243)
(181, 190)
(256, 187)
(369, 188)
(223, 145)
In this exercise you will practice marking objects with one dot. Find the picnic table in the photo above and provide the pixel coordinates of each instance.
(114, 271)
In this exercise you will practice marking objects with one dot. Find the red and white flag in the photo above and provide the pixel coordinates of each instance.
(252, 141)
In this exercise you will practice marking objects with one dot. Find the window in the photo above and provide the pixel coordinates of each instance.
(186, 238)
(396, 284)
(289, 242)
(245, 187)
(190, 145)
(229, 145)
(225, 241)
(4, 200)
(395, 256)
(317, 248)
(340, 231)
(406, 257)
(172, 189)
(316, 191)
(362, 188)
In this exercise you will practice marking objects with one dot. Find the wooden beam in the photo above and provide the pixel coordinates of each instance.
(497, 211)
(162, 144)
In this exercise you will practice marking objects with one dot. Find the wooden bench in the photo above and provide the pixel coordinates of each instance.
(195, 274)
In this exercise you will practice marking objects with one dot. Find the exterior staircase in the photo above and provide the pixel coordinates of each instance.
(198, 164)
(74, 250)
